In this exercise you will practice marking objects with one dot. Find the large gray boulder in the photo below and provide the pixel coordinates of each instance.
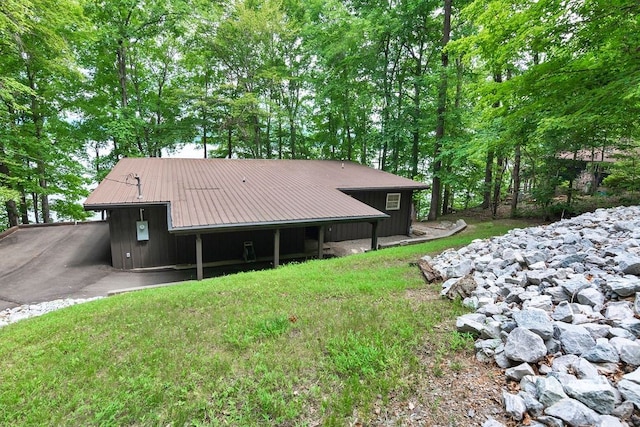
(514, 405)
(628, 263)
(624, 286)
(471, 322)
(549, 390)
(524, 346)
(602, 352)
(630, 390)
(574, 413)
(618, 310)
(596, 394)
(575, 339)
(516, 373)
(563, 312)
(535, 320)
(628, 350)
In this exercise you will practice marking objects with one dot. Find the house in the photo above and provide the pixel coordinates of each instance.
(207, 212)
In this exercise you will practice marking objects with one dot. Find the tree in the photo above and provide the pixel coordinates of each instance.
(38, 75)
(135, 105)
(436, 186)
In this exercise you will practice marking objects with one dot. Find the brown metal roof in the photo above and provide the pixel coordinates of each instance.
(220, 193)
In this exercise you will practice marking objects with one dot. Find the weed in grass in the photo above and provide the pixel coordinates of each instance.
(456, 366)
(438, 372)
(241, 337)
(357, 355)
(435, 404)
(461, 341)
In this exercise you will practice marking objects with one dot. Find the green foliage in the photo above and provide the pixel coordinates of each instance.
(461, 341)
(355, 355)
(316, 79)
(624, 176)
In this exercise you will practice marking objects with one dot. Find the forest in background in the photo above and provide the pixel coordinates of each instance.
(480, 98)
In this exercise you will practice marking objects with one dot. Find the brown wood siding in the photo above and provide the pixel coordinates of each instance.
(398, 223)
(164, 248)
(158, 251)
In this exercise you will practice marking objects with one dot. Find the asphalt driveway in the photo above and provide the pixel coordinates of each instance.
(44, 263)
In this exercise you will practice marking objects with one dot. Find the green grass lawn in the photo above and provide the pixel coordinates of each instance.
(304, 344)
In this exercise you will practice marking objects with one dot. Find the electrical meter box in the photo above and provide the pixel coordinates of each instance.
(142, 230)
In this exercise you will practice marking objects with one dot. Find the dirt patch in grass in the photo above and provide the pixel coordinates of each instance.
(459, 392)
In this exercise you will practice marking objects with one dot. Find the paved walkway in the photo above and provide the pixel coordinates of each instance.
(420, 232)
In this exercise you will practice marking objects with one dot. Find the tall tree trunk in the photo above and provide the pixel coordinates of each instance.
(415, 140)
(395, 139)
(436, 183)
(516, 181)
(205, 114)
(9, 205)
(229, 143)
(446, 199)
(121, 63)
(38, 123)
(349, 140)
(256, 135)
(501, 164)
(36, 207)
(12, 212)
(488, 179)
(292, 136)
(24, 208)
(488, 169)
(204, 135)
(267, 136)
(280, 142)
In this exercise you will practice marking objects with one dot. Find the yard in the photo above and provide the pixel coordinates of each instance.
(350, 340)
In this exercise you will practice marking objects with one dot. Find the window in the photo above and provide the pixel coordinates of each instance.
(393, 202)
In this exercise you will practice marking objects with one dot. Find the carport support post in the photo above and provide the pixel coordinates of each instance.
(199, 271)
(374, 236)
(320, 241)
(276, 248)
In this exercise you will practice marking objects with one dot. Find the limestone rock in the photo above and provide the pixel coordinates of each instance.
(602, 352)
(524, 346)
(572, 412)
(535, 320)
(596, 394)
(514, 405)
(518, 372)
(624, 286)
(549, 390)
(628, 263)
(575, 339)
(472, 323)
(628, 350)
(630, 391)
(563, 312)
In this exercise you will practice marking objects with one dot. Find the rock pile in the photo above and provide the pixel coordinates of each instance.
(557, 307)
(12, 315)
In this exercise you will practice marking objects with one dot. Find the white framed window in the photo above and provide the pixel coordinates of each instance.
(393, 202)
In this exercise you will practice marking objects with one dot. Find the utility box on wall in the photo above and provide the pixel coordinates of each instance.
(142, 230)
